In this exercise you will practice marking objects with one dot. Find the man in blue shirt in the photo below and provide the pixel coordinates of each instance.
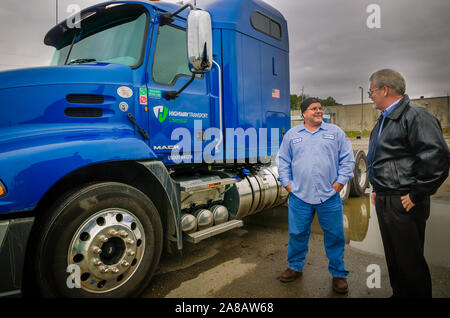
(315, 161)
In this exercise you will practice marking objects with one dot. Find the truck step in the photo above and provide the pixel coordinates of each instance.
(197, 186)
(211, 231)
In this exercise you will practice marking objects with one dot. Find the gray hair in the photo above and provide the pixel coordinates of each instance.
(390, 78)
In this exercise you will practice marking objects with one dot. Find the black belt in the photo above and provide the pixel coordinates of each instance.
(393, 192)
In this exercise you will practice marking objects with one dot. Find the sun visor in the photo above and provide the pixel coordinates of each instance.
(92, 20)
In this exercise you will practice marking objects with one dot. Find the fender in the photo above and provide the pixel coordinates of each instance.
(170, 191)
(29, 166)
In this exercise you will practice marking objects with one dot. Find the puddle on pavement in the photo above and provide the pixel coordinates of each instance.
(362, 230)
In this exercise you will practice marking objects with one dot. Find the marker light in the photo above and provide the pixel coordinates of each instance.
(113, 5)
(2, 189)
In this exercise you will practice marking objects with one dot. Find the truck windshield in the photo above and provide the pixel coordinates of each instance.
(121, 44)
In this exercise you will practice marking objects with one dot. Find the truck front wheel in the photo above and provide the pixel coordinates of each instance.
(103, 240)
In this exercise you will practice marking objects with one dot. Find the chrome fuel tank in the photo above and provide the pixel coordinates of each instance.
(254, 193)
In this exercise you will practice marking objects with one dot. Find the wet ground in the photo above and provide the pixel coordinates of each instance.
(246, 262)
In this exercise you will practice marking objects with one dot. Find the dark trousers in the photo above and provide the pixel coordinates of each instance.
(403, 235)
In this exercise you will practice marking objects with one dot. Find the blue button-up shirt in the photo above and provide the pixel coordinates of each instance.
(312, 161)
(385, 113)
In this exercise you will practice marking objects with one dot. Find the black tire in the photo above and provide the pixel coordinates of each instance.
(360, 181)
(120, 207)
(345, 192)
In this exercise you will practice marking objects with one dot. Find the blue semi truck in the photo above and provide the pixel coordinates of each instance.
(156, 124)
(137, 138)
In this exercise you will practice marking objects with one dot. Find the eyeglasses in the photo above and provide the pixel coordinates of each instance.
(316, 109)
(370, 92)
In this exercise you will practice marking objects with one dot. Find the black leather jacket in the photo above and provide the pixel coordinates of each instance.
(411, 155)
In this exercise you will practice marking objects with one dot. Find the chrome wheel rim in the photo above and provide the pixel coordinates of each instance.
(343, 191)
(362, 173)
(108, 248)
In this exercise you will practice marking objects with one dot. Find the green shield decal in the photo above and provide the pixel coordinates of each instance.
(162, 116)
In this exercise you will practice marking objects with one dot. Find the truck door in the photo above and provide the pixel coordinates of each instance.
(187, 116)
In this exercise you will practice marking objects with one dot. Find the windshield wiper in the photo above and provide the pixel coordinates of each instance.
(71, 46)
(79, 61)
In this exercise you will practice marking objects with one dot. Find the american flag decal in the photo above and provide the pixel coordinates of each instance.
(275, 93)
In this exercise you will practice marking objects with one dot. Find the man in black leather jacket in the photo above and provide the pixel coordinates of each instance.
(408, 160)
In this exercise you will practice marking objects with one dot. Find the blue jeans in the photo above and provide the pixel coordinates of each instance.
(331, 220)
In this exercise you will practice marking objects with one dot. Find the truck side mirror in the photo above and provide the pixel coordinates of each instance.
(199, 41)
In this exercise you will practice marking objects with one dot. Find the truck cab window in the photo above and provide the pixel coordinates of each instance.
(266, 25)
(122, 44)
(170, 61)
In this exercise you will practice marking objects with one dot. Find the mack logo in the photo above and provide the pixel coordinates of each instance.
(160, 113)
(169, 147)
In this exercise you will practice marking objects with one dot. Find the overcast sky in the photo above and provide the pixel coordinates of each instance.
(333, 51)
